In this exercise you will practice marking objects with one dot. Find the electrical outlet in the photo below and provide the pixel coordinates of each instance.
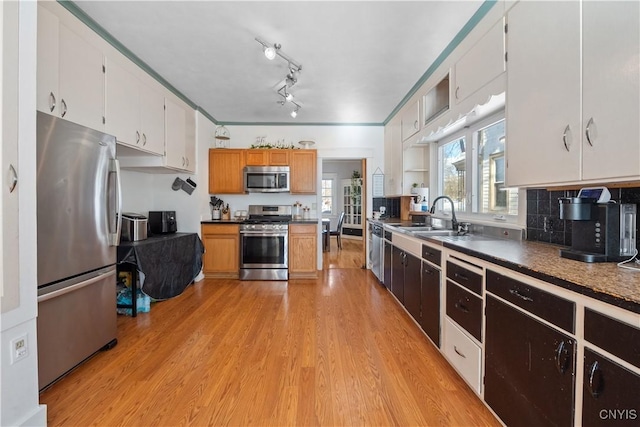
(19, 348)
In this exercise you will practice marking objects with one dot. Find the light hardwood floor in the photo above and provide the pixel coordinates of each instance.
(350, 256)
(336, 351)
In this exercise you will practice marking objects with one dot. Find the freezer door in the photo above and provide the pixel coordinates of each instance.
(76, 318)
(77, 198)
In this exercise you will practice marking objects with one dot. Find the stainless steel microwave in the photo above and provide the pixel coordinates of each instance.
(266, 179)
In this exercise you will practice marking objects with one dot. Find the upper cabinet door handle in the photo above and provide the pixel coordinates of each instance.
(567, 143)
(415, 125)
(457, 90)
(587, 131)
(52, 102)
(64, 107)
(137, 137)
(13, 178)
(144, 139)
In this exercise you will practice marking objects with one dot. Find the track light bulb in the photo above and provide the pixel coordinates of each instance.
(288, 96)
(294, 113)
(270, 52)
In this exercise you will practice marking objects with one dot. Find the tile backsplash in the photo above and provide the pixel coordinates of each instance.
(391, 203)
(543, 213)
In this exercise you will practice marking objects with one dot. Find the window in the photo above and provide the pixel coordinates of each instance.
(471, 171)
(328, 191)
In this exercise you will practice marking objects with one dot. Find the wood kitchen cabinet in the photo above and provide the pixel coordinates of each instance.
(303, 246)
(225, 171)
(303, 171)
(273, 157)
(572, 92)
(70, 77)
(221, 257)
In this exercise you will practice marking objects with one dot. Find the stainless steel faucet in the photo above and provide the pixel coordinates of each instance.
(454, 220)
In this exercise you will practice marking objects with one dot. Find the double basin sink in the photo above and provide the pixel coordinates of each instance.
(440, 234)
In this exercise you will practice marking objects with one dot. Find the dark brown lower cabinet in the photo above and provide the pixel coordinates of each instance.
(610, 393)
(412, 285)
(397, 273)
(386, 281)
(529, 369)
(430, 319)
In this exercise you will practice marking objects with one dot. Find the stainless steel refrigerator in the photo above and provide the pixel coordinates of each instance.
(78, 201)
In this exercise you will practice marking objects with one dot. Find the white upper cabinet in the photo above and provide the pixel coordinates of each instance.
(543, 93)
(393, 158)
(70, 78)
(411, 120)
(611, 89)
(180, 136)
(549, 140)
(481, 64)
(152, 118)
(134, 112)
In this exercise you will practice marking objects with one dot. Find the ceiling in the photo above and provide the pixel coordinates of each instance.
(359, 58)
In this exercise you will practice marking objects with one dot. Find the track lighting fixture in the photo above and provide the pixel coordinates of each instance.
(273, 50)
(270, 51)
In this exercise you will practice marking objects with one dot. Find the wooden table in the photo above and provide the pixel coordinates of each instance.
(326, 243)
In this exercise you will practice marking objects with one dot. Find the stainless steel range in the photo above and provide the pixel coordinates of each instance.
(264, 243)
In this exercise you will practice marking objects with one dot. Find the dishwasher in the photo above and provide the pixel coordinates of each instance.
(376, 250)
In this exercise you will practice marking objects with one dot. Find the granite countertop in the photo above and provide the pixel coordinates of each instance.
(603, 281)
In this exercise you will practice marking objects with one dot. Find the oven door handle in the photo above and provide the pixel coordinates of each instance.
(267, 234)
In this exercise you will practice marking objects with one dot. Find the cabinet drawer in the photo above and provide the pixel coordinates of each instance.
(431, 254)
(559, 311)
(465, 277)
(617, 338)
(463, 354)
(465, 308)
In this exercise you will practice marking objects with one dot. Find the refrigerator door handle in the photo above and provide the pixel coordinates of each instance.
(115, 237)
(75, 287)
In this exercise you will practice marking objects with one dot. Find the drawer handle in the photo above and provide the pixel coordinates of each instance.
(595, 379)
(460, 276)
(458, 353)
(460, 306)
(426, 270)
(562, 357)
(519, 295)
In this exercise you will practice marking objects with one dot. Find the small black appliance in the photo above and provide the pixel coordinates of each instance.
(162, 222)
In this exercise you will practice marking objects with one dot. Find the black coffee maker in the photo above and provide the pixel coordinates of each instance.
(601, 230)
(162, 222)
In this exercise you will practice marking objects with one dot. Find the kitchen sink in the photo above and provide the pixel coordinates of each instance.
(436, 233)
(414, 228)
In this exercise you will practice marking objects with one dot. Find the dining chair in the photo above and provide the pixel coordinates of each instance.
(338, 231)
